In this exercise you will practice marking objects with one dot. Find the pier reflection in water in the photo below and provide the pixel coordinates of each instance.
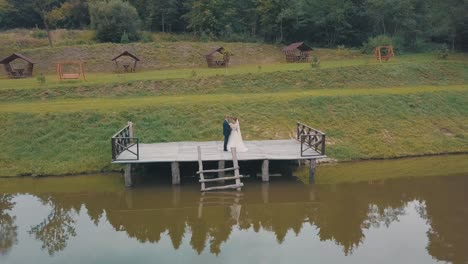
(419, 220)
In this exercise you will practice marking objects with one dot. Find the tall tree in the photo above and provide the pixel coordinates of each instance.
(5, 8)
(214, 17)
(330, 22)
(162, 14)
(449, 22)
(403, 18)
(114, 18)
(44, 8)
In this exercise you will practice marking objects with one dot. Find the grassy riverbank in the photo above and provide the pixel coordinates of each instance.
(361, 126)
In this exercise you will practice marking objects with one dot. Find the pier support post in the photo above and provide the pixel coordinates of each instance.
(175, 172)
(265, 171)
(175, 195)
(312, 166)
(128, 175)
(221, 165)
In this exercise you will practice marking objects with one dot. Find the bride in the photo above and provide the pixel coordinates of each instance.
(235, 138)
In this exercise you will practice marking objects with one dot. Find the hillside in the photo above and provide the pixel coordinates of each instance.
(160, 54)
(413, 105)
(243, 80)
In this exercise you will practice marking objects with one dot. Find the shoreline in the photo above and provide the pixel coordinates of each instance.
(324, 161)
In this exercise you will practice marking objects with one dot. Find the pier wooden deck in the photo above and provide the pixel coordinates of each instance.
(126, 149)
(213, 151)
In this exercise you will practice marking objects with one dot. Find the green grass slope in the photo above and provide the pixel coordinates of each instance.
(358, 126)
(275, 78)
(162, 53)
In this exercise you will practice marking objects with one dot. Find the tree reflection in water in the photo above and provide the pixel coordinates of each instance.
(341, 213)
(448, 235)
(8, 228)
(57, 228)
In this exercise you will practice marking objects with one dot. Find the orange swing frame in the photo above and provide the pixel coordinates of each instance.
(378, 53)
(70, 76)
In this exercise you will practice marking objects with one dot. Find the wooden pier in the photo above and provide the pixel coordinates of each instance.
(309, 144)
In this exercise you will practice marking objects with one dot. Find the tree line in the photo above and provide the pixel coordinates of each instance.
(409, 24)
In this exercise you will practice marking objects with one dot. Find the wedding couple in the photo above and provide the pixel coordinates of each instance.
(232, 135)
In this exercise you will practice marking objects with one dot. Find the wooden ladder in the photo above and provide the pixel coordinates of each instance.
(237, 185)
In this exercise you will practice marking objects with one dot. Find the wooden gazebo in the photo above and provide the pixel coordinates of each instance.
(297, 52)
(218, 58)
(126, 65)
(16, 73)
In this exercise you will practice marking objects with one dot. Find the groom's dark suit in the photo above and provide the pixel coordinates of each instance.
(226, 133)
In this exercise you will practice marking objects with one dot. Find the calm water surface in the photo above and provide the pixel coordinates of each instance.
(421, 216)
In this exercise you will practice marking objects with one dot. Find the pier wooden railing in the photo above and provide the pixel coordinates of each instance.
(123, 141)
(310, 138)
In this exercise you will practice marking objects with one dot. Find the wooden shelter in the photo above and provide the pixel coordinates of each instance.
(218, 58)
(383, 53)
(297, 52)
(65, 74)
(127, 66)
(16, 73)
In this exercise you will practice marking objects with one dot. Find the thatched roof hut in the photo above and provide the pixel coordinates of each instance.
(218, 58)
(297, 52)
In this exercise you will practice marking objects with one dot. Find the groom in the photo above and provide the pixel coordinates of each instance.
(226, 131)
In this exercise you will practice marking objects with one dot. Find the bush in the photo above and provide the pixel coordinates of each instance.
(124, 39)
(41, 79)
(315, 62)
(380, 40)
(421, 45)
(443, 52)
(146, 37)
(39, 34)
(204, 37)
(112, 19)
(241, 37)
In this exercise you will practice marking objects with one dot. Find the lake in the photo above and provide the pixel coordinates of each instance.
(398, 211)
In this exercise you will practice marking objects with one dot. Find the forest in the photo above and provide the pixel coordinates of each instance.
(410, 25)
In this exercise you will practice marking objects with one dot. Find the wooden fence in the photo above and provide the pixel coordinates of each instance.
(123, 141)
(310, 138)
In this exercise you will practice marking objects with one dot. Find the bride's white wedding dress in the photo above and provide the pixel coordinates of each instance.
(235, 139)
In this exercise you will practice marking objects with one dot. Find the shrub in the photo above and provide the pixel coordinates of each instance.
(146, 37)
(315, 62)
(112, 19)
(443, 52)
(39, 34)
(41, 79)
(421, 45)
(124, 39)
(204, 37)
(241, 37)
